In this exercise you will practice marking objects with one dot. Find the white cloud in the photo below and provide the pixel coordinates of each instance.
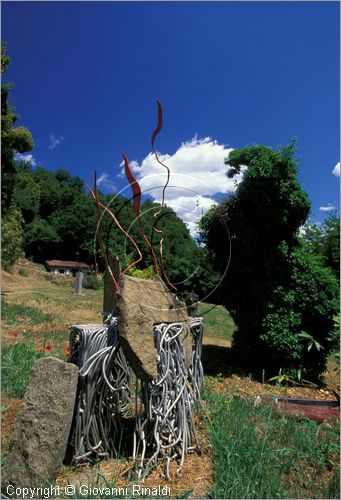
(25, 157)
(105, 182)
(197, 173)
(336, 170)
(133, 164)
(54, 141)
(328, 208)
(190, 209)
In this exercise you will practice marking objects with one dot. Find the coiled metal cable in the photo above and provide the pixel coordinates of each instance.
(104, 390)
(164, 426)
(164, 418)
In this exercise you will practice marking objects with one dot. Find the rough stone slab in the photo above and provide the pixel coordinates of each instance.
(38, 443)
(141, 304)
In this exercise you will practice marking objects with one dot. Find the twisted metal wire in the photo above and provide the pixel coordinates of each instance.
(196, 370)
(164, 426)
(104, 390)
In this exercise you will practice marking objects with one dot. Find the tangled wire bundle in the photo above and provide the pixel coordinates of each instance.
(164, 422)
(164, 426)
(104, 390)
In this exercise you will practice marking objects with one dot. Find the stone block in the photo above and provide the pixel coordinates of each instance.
(141, 304)
(38, 443)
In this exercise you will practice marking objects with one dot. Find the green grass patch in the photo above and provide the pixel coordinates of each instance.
(16, 365)
(65, 295)
(258, 454)
(218, 323)
(12, 313)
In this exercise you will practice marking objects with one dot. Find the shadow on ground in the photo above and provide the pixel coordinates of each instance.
(218, 360)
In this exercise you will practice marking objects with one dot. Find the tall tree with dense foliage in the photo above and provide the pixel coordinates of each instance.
(12, 237)
(12, 138)
(280, 298)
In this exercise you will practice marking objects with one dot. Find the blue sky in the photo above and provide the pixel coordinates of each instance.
(228, 74)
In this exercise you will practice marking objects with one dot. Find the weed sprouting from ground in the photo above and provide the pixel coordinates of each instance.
(259, 454)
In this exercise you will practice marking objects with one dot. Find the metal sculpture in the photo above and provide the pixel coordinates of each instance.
(162, 408)
(168, 374)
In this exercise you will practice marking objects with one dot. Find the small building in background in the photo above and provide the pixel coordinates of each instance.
(65, 267)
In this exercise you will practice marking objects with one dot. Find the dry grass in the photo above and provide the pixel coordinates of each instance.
(55, 298)
(195, 480)
(235, 385)
(9, 411)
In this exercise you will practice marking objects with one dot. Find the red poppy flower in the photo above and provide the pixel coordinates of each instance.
(68, 349)
(14, 334)
(67, 355)
(48, 348)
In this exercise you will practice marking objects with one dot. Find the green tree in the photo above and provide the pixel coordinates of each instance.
(12, 138)
(75, 225)
(273, 290)
(185, 263)
(50, 191)
(11, 236)
(41, 240)
(26, 195)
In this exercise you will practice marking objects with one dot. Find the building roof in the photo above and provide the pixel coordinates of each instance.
(65, 263)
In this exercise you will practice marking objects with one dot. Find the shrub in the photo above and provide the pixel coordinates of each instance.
(300, 322)
(16, 365)
(56, 279)
(143, 274)
(91, 282)
(296, 330)
(23, 272)
(6, 266)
